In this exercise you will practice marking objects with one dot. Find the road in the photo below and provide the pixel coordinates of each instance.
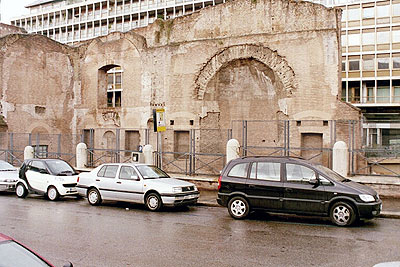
(120, 234)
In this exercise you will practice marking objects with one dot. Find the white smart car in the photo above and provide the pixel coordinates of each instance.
(139, 183)
(50, 177)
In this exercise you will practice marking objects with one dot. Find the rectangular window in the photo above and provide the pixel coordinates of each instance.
(396, 94)
(368, 64)
(354, 39)
(368, 38)
(353, 14)
(343, 65)
(41, 151)
(396, 36)
(383, 94)
(114, 87)
(396, 9)
(383, 37)
(354, 65)
(382, 11)
(391, 138)
(354, 92)
(368, 13)
(369, 92)
(269, 171)
(383, 63)
(396, 62)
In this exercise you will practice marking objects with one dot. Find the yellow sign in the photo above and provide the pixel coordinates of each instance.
(160, 120)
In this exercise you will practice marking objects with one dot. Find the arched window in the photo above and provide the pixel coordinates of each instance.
(114, 87)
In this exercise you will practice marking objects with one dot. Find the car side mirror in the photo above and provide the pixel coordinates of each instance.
(135, 178)
(314, 182)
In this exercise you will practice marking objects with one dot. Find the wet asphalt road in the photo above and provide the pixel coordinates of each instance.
(120, 234)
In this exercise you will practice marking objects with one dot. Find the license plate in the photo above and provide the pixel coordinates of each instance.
(190, 196)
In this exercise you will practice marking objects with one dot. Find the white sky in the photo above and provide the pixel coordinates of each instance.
(13, 8)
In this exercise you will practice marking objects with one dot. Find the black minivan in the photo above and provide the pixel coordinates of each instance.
(293, 185)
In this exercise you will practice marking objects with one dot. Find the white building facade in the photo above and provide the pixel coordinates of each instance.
(73, 21)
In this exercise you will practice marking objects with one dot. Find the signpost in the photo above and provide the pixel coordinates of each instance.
(159, 126)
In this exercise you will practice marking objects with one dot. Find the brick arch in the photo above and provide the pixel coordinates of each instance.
(263, 54)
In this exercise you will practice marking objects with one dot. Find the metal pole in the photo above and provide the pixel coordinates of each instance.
(194, 151)
(11, 148)
(117, 145)
(37, 145)
(284, 138)
(59, 145)
(190, 152)
(288, 138)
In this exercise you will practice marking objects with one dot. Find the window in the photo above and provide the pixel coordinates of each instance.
(383, 37)
(299, 174)
(239, 170)
(269, 171)
(368, 12)
(127, 173)
(382, 11)
(109, 171)
(396, 35)
(114, 87)
(37, 166)
(396, 96)
(353, 14)
(383, 63)
(354, 39)
(396, 61)
(41, 151)
(383, 94)
(368, 38)
(396, 9)
(368, 64)
(354, 65)
(343, 65)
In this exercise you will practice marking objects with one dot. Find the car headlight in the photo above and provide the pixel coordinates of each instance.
(367, 198)
(177, 189)
(195, 188)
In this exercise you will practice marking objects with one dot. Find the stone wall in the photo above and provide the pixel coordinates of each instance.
(6, 29)
(242, 60)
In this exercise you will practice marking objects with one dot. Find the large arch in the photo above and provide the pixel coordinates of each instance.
(248, 51)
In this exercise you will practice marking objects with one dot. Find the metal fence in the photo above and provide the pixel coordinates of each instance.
(202, 151)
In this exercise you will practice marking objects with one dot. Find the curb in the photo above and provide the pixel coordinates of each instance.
(385, 214)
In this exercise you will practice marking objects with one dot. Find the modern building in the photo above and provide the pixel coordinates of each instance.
(72, 21)
(371, 66)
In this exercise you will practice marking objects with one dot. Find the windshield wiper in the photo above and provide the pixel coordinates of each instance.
(346, 180)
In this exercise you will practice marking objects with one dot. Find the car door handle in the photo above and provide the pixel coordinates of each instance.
(288, 189)
(97, 180)
(118, 182)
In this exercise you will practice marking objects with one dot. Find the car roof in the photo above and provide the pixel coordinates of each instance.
(127, 163)
(3, 238)
(275, 158)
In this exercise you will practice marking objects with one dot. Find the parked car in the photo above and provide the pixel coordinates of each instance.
(138, 183)
(292, 185)
(50, 177)
(15, 254)
(8, 176)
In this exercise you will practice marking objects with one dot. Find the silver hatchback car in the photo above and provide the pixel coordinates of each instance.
(8, 176)
(138, 183)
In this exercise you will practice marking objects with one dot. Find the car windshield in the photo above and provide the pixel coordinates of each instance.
(15, 255)
(59, 167)
(5, 166)
(151, 172)
(333, 175)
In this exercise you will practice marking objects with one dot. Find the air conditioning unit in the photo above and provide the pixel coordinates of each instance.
(137, 157)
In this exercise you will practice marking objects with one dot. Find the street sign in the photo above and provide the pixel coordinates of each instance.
(159, 120)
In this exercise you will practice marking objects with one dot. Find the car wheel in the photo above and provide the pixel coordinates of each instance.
(21, 190)
(94, 197)
(342, 214)
(153, 202)
(238, 207)
(52, 193)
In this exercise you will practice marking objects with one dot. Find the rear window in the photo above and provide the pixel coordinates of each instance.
(269, 171)
(239, 170)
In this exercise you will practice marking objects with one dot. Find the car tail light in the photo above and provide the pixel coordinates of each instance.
(77, 180)
(219, 182)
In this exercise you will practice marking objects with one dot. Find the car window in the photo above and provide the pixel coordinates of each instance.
(127, 173)
(299, 174)
(324, 181)
(5, 166)
(13, 254)
(239, 170)
(151, 172)
(102, 171)
(36, 166)
(269, 171)
(109, 172)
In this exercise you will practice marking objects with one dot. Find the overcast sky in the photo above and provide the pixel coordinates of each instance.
(13, 8)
